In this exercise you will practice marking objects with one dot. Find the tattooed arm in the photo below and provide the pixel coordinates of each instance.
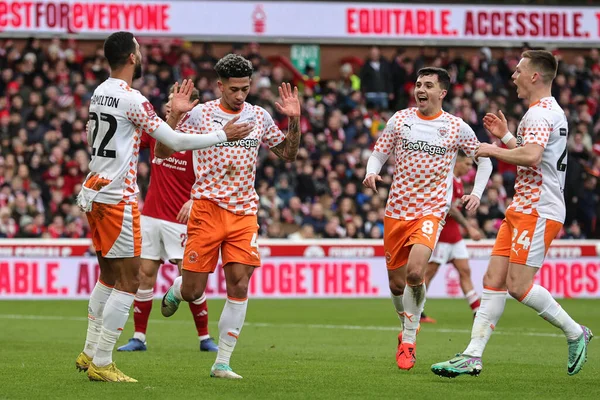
(288, 149)
(290, 106)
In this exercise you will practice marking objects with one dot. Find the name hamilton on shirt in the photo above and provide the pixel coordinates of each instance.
(107, 101)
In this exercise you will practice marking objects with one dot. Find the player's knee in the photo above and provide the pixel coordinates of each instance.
(129, 283)
(515, 292)
(397, 287)
(190, 294)
(239, 289)
(517, 289)
(146, 280)
(493, 281)
(414, 277)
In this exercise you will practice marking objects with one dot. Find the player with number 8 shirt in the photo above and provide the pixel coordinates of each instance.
(532, 221)
(424, 141)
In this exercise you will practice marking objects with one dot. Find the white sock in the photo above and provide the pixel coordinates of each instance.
(96, 305)
(230, 326)
(414, 302)
(116, 313)
(201, 300)
(541, 301)
(472, 297)
(397, 300)
(490, 311)
(142, 295)
(140, 336)
(177, 288)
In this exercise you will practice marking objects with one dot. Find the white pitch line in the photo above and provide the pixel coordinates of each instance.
(515, 332)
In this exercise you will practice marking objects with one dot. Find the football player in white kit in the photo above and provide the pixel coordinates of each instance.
(533, 219)
(119, 115)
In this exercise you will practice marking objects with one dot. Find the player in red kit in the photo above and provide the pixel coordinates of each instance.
(451, 247)
(164, 233)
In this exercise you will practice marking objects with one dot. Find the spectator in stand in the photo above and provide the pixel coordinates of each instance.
(574, 231)
(376, 80)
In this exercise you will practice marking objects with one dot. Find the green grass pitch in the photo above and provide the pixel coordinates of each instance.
(298, 349)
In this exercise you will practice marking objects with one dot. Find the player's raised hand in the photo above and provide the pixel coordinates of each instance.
(180, 103)
(470, 201)
(237, 131)
(485, 150)
(290, 104)
(184, 213)
(496, 124)
(371, 181)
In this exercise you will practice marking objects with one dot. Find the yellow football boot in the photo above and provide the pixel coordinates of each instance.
(109, 373)
(83, 361)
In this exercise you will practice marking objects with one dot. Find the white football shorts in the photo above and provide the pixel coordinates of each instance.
(443, 252)
(162, 240)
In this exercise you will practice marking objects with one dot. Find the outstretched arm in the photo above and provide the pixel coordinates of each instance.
(161, 150)
(526, 156)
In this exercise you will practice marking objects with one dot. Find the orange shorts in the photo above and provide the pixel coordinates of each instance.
(399, 236)
(211, 228)
(525, 238)
(116, 229)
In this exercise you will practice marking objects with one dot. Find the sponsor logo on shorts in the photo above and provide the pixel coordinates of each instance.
(424, 147)
(193, 257)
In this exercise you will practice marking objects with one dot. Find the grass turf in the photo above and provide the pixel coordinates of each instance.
(297, 349)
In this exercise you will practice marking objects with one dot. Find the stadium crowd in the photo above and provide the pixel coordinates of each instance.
(45, 90)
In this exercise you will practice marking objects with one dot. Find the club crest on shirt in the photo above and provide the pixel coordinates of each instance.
(443, 131)
(149, 109)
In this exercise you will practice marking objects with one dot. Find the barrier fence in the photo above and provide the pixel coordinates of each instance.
(64, 269)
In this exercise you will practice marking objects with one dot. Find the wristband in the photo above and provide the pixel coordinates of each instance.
(507, 137)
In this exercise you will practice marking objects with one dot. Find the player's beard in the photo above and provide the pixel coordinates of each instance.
(137, 72)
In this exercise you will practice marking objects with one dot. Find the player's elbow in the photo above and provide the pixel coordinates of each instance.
(533, 159)
(162, 151)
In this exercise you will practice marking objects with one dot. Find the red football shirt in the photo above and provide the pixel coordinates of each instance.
(451, 231)
(170, 183)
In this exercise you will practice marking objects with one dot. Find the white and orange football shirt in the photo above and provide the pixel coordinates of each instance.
(539, 189)
(118, 115)
(225, 173)
(425, 151)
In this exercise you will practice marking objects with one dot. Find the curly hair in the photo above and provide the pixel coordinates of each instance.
(234, 66)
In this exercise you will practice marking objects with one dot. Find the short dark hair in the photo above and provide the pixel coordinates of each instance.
(442, 74)
(234, 66)
(543, 62)
(461, 154)
(193, 97)
(118, 47)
